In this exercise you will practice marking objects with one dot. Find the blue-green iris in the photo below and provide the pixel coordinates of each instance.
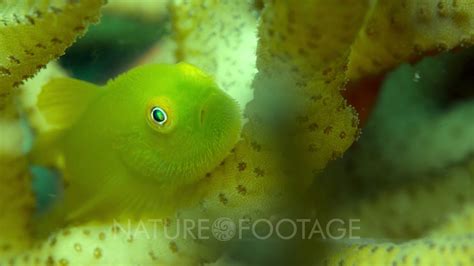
(159, 115)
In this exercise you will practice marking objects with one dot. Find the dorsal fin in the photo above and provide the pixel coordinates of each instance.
(63, 100)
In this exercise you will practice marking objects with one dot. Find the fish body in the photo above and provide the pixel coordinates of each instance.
(141, 143)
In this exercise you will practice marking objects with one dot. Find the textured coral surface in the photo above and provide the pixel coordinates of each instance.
(300, 55)
(32, 33)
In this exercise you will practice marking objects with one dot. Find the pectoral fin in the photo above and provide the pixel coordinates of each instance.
(62, 101)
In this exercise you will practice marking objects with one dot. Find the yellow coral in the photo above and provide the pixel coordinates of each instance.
(30, 90)
(391, 213)
(443, 250)
(458, 222)
(32, 33)
(146, 10)
(401, 30)
(220, 37)
(298, 54)
(302, 56)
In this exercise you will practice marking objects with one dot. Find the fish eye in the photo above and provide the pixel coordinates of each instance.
(158, 115)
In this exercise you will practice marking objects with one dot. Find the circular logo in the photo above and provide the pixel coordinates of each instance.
(223, 229)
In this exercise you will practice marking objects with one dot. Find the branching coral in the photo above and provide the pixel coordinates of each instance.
(215, 35)
(449, 244)
(240, 186)
(32, 33)
(282, 55)
(416, 132)
(444, 250)
(419, 123)
(29, 92)
(293, 62)
(390, 214)
(399, 31)
(426, 132)
(144, 10)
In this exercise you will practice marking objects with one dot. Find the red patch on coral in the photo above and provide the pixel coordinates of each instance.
(362, 95)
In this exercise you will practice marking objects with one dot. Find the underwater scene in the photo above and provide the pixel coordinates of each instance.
(237, 132)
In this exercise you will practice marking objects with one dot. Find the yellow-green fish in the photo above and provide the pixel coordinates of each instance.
(140, 143)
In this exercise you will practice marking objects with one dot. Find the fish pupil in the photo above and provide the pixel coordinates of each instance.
(159, 115)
